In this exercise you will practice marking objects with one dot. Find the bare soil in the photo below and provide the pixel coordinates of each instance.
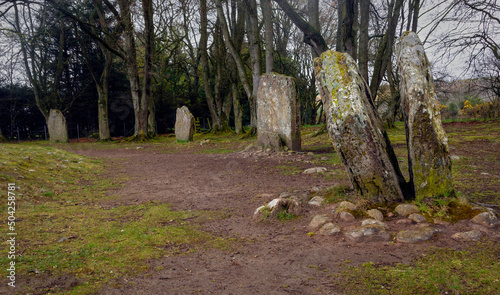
(272, 257)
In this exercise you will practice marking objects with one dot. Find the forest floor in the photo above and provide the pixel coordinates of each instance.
(204, 240)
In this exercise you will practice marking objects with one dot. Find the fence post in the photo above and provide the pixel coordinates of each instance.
(45, 131)
(18, 137)
(78, 132)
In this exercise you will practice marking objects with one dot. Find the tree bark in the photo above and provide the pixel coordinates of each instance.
(346, 31)
(269, 33)
(384, 53)
(255, 56)
(364, 10)
(311, 35)
(204, 64)
(234, 53)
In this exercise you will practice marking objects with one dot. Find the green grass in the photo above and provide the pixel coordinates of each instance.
(64, 231)
(441, 271)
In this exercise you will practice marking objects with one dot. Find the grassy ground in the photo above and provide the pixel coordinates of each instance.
(63, 230)
(58, 195)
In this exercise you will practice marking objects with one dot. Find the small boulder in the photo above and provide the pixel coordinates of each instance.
(346, 216)
(329, 229)
(316, 201)
(375, 214)
(473, 235)
(417, 235)
(418, 218)
(345, 205)
(406, 209)
(373, 222)
(274, 207)
(315, 170)
(318, 221)
(488, 219)
(368, 233)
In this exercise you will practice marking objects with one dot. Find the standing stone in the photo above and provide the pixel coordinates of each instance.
(184, 124)
(428, 156)
(58, 130)
(356, 129)
(278, 113)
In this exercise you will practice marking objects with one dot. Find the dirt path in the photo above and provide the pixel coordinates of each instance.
(275, 257)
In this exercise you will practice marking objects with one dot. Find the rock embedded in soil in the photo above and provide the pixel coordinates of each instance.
(184, 124)
(278, 113)
(428, 155)
(315, 170)
(473, 235)
(329, 229)
(375, 214)
(356, 130)
(418, 218)
(488, 219)
(374, 222)
(406, 209)
(274, 207)
(316, 201)
(345, 205)
(346, 216)
(318, 221)
(417, 235)
(368, 233)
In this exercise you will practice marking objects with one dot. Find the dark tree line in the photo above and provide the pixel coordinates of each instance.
(110, 64)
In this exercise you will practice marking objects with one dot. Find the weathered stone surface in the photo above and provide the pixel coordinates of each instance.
(356, 129)
(417, 235)
(375, 214)
(315, 170)
(318, 221)
(329, 229)
(473, 235)
(406, 209)
(346, 216)
(418, 218)
(345, 205)
(373, 222)
(368, 233)
(488, 219)
(184, 124)
(316, 201)
(56, 124)
(274, 207)
(278, 113)
(428, 155)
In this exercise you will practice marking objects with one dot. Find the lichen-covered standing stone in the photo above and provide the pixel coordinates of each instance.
(356, 129)
(278, 113)
(184, 124)
(428, 156)
(58, 130)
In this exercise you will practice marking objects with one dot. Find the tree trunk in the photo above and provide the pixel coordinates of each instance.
(205, 68)
(255, 56)
(311, 35)
(364, 10)
(235, 54)
(384, 53)
(237, 109)
(346, 31)
(269, 33)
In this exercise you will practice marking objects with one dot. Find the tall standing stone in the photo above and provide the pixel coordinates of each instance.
(58, 130)
(428, 156)
(356, 129)
(184, 124)
(278, 113)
